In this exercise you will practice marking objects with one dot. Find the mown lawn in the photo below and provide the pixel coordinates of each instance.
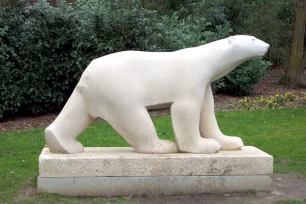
(281, 133)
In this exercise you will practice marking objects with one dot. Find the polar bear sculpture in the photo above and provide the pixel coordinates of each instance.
(121, 87)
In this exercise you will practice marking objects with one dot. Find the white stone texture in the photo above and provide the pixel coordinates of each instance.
(125, 162)
(121, 87)
(139, 186)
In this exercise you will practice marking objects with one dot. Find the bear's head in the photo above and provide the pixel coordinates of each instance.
(248, 47)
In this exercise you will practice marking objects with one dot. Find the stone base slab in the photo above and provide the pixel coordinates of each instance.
(164, 185)
(123, 172)
(124, 161)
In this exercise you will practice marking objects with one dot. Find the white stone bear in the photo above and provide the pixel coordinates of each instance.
(121, 87)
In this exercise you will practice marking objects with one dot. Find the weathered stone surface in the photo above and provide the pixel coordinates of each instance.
(124, 162)
(139, 186)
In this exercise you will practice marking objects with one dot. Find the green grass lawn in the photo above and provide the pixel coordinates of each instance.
(281, 133)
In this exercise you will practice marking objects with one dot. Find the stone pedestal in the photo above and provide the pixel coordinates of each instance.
(122, 172)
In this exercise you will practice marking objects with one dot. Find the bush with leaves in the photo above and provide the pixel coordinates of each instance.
(11, 93)
(40, 70)
(111, 26)
(45, 49)
(242, 80)
(49, 63)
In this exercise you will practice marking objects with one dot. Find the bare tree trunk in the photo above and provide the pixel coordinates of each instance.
(297, 54)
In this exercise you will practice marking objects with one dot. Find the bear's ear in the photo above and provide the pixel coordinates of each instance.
(231, 39)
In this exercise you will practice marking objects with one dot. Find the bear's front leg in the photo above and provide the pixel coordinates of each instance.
(209, 127)
(185, 120)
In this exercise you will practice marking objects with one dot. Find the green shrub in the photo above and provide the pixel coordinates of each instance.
(171, 33)
(242, 80)
(49, 63)
(112, 26)
(40, 71)
(11, 93)
(163, 6)
(45, 49)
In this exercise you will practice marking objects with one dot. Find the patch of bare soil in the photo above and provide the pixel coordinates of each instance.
(26, 193)
(284, 187)
(269, 86)
(26, 123)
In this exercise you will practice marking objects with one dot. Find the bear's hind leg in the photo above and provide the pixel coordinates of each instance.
(136, 127)
(72, 121)
(209, 127)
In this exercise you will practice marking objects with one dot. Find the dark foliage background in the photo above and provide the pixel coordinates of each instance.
(44, 49)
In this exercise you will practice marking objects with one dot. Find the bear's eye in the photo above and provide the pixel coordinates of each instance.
(253, 39)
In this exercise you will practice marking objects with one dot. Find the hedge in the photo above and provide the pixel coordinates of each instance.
(45, 49)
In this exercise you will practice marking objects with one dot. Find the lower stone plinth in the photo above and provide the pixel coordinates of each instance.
(164, 185)
(122, 172)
